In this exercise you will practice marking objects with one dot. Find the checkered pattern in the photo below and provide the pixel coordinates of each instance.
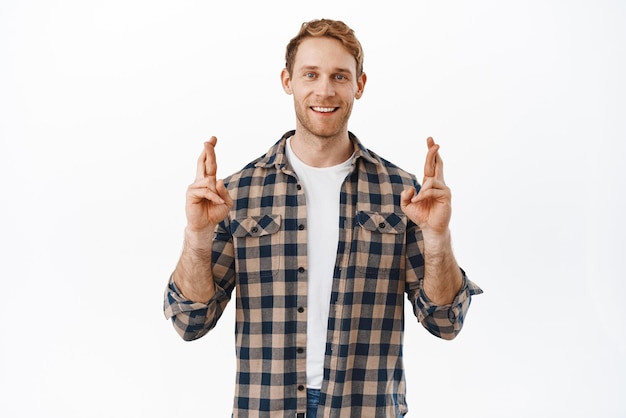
(260, 252)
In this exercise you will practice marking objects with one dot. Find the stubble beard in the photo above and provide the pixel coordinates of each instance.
(319, 129)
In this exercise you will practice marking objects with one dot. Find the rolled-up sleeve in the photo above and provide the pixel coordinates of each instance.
(193, 320)
(445, 321)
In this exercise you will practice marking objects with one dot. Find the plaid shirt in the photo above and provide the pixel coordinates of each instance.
(260, 251)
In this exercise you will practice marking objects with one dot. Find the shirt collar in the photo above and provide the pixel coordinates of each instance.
(276, 154)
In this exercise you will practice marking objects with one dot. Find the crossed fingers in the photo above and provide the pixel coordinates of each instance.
(206, 173)
(433, 166)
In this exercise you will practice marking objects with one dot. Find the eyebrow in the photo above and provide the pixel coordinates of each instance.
(336, 70)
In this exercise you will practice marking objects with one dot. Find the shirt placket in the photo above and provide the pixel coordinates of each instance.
(297, 218)
(338, 310)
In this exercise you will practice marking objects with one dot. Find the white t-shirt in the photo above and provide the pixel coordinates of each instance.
(321, 188)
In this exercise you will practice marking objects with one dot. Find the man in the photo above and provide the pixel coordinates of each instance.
(320, 238)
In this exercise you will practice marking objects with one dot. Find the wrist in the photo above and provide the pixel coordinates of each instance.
(437, 242)
(199, 240)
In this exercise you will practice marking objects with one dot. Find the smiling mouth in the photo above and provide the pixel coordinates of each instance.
(324, 109)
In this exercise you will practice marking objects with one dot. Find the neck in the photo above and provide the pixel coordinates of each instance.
(322, 152)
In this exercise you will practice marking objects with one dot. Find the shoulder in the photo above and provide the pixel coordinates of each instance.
(260, 167)
(247, 175)
(380, 169)
(383, 166)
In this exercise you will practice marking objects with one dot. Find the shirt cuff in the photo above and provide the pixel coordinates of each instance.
(175, 303)
(446, 321)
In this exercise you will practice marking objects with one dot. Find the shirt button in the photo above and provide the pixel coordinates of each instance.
(451, 316)
(382, 225)
(300, 309)
(301, 388)
(300, 227)
(254, 230)
(299, 187)
(301, 270)
(300, 350)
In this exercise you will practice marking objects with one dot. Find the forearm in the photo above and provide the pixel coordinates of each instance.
(193, 274)
(442, 276)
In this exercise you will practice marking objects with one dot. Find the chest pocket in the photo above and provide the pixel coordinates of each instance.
(380, 241)
(258, 246)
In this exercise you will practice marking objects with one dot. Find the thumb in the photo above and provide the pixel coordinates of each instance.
(406, 196)
(222, 191)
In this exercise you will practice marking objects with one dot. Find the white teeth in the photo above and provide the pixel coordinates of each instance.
(324, 109)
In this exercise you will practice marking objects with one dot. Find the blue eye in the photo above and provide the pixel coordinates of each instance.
(340, 77)
(309, 75)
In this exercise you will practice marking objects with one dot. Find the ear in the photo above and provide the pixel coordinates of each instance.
(360, 84)
(285, 79)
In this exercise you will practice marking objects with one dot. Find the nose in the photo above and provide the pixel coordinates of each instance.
(325, 88)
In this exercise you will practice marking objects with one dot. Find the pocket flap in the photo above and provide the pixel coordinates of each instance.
(255, 226)
(386, 223)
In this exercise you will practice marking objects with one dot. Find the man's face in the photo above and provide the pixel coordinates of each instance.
(324, 85)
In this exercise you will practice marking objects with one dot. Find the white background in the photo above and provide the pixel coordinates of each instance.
(103, 110)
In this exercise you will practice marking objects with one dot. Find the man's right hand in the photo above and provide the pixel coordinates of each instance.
(208, 201)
